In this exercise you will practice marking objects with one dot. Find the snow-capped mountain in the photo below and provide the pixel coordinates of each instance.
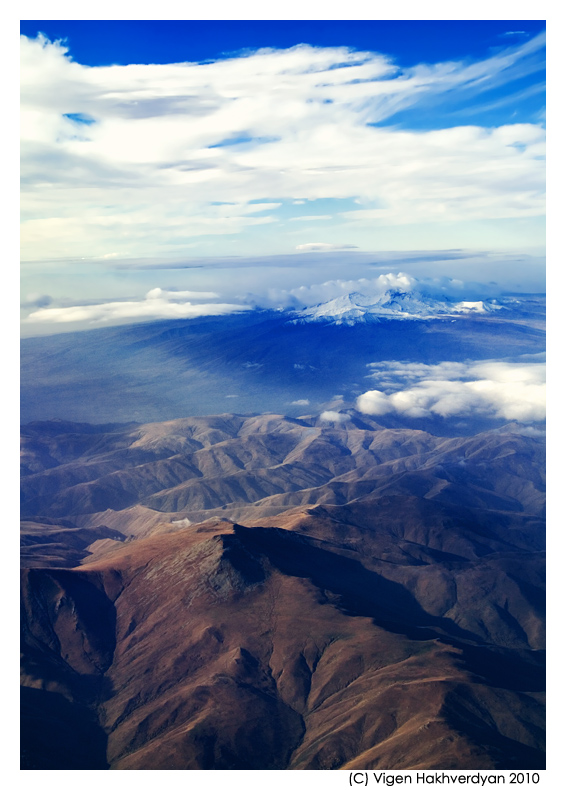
(354, 308)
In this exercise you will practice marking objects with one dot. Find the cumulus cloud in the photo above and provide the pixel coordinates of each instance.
(157, 304)
(334, 416)
(147, 159)
(492, 388)
(374, 287)
(308, 295)
(300, 402)
(425, 295)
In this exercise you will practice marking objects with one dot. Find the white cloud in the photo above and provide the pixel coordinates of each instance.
(334, 416)
(498, 389)
(321, 246)
(159, 164)
(300, 402)
(157, 304)
(179, 296)
(429, 295)
(309, 295)
(530, 430)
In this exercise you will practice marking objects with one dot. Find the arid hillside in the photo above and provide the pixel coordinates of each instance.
(84, 483)
(266, 592)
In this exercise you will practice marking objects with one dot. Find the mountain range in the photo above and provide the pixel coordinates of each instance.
(252, 592)
(354, 308)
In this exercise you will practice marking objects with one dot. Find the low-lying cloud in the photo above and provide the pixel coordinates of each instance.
(491, 388)
(334, 416)
(158, 304)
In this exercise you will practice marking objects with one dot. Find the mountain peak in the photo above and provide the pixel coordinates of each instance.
(355, 308)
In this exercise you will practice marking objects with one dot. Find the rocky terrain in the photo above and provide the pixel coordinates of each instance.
(262, 591)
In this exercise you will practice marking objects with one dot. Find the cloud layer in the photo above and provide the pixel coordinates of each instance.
(158, 304)
(321, 246)
(146, 159)
(492, 388)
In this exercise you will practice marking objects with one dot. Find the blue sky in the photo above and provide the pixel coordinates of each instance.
(182, 141)
(409, 42)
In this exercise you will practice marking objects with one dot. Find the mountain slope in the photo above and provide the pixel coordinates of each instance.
(360, 308)
(271, 453)
(267, 592)
(262, 647)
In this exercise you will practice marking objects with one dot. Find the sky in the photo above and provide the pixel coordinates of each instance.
(180, 168)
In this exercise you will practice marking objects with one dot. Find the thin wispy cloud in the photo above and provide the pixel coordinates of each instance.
(322, 246)
(314, 218)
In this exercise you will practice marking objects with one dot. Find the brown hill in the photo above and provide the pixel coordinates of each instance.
(244, 468)
(223, 646)
(379, 605)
